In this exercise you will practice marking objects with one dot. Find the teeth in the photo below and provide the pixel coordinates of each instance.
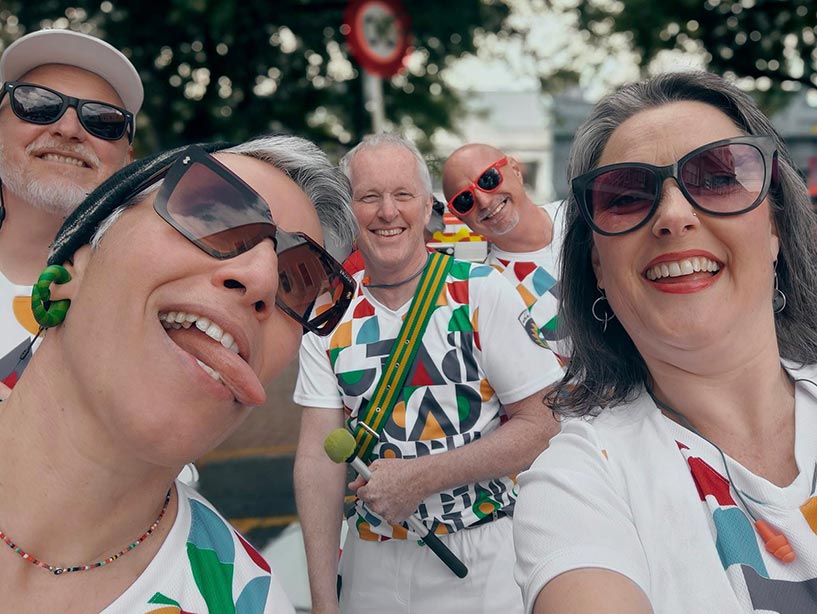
(209, 370)
(388, 232)
(496, 210)
(181, 319)
(682, 267)
(63, 159)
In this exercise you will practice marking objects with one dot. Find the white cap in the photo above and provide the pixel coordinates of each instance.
(74, 49)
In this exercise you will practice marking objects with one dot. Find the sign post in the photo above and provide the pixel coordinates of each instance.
(378, 35)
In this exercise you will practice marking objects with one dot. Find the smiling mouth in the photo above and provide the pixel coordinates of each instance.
(496, 209)
(680, 268)
(388, 232)
(52, 157)
(181, 319)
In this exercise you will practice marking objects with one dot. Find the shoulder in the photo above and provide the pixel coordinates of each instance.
(620, 429)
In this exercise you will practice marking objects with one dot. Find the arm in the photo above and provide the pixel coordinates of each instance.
(519, 369)
(577, 545)
(398, 487)
(319, 491)
(591, 590)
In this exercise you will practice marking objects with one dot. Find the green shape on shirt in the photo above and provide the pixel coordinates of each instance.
(213, 578)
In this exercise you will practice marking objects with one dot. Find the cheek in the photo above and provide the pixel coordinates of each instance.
(281, 347)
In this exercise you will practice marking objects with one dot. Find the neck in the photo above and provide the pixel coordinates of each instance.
(64, 498)
(747, 401)
(393, 289)
(533, 231)
(25, 237)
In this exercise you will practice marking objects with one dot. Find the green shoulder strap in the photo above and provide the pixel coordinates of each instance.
(377, 412)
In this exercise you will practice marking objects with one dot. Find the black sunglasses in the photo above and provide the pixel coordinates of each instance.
(42, 105)
(727, 177)
(488, 180)
(224, 217)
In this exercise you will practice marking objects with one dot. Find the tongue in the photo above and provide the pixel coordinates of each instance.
(234, 371)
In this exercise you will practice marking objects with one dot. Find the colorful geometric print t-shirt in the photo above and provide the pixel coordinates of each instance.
(480, 351)
(761, 581)
(17, 329)
(535, 275)
(204, 565)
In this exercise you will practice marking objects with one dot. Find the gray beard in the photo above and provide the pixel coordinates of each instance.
(55, 196)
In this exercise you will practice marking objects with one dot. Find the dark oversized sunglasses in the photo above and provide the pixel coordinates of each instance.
(488, 181)
(224, 217)
(727, 177)
(42, 105)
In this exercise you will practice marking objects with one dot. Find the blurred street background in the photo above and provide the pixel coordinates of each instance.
(520, 75)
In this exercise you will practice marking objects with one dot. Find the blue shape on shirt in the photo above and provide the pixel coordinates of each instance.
(208, 532)
(253, 598)
(736, 542)
(369, 332)
(542, 281)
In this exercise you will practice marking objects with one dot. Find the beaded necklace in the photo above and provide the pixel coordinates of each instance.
(61, 570)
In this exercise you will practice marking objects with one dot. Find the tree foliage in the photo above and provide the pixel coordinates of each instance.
(770, 43)
(221, 69)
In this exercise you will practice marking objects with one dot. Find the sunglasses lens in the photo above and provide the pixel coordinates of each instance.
(215, 214)
(725, 179)
(489, 180)
(463, 202)
(224, 217)
(310, 286)
(35, 104)
(103, 120)
(621, 198)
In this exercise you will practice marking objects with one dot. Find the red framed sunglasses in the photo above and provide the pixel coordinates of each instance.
(488, 180)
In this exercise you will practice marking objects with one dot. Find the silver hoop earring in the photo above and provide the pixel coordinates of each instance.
(607, 317)
(778, 299)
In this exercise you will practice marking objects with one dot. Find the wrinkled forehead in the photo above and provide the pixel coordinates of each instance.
(291, 208)
(73, 81)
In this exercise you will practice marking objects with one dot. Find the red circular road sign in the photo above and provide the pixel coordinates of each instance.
(377, 32)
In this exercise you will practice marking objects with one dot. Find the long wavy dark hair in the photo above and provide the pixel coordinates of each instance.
(606, 368)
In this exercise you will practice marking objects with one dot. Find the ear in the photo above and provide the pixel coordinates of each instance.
(774, 242)
(130, 154)
(76, 269)
(594, 260)
(516, 169)
(428, 209)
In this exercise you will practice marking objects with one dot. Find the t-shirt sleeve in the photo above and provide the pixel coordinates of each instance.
(517, 362)
(572, 513)
(316, 385)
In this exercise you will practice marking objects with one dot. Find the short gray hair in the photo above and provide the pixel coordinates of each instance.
(384, 139)
(605, 367)
(326, 187)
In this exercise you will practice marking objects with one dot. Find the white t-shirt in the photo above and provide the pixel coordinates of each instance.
(204, 565)
(480, 350)
(633, 492)
(17, 328)
(535, 275)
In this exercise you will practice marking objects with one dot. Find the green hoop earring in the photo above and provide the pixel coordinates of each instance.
(49, 313)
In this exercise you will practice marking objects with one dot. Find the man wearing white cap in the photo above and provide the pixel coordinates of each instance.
(67, 107)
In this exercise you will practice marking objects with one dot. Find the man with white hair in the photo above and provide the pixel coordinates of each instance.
(466, 418)
(67, 108)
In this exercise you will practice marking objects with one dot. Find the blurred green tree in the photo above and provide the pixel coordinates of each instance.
(771, 44)
(222, 69)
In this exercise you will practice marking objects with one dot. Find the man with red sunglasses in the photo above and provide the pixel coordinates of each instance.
(485, 189)
(467, 417)
(67, 108)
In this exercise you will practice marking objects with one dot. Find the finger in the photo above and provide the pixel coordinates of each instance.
(357, 483)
